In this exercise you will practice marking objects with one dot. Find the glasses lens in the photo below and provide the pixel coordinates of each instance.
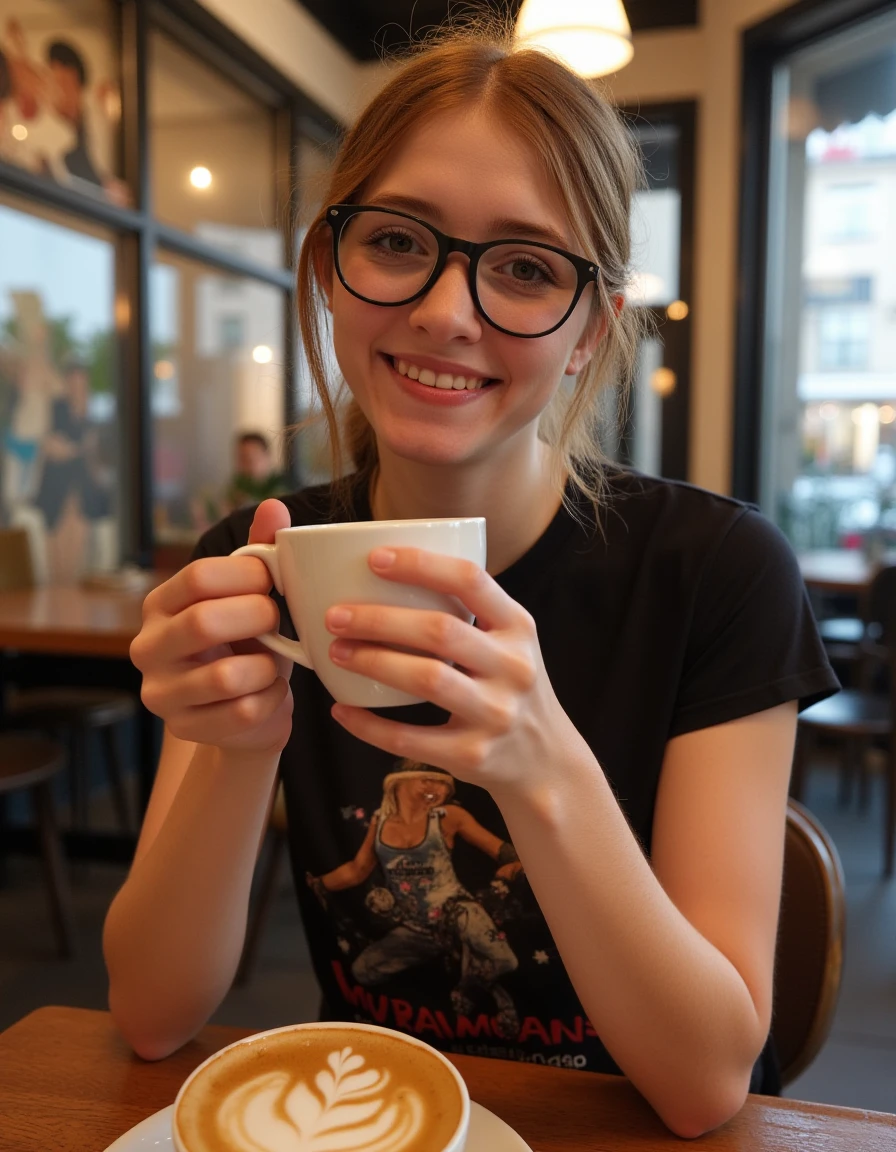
(524, 289)
(386, 258)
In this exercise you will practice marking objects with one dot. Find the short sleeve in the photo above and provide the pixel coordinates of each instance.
(753, 643)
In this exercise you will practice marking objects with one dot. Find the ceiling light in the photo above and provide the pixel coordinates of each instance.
(663, 381)
(592, 36)
(200, 177)
(262, 354)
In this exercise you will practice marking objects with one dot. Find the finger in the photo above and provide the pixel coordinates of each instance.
(438, 633)
(224, 679)
(217, 723)
(422, 676)
(213, 577)
(205, 625)
(472, 585)
(210, 578)
(270, 516)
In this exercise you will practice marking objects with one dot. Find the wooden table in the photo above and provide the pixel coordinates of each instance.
(844, 571)
(72, 619)
(78, 625)
(68, 1083)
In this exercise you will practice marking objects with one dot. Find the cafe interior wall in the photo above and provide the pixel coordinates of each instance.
(701, 64)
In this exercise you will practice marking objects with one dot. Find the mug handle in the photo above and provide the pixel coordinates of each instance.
(282, 645)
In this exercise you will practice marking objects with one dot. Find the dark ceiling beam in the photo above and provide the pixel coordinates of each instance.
(366, 28)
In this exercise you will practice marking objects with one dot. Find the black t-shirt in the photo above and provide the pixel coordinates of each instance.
(684, 609)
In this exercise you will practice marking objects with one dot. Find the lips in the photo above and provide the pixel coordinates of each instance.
(445, 377)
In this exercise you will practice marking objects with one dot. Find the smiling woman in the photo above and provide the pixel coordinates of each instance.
(571, 852)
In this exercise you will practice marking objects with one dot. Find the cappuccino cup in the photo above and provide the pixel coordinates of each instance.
(323, 1087)
(319, 565)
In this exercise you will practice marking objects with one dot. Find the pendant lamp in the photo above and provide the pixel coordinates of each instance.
(592, 36)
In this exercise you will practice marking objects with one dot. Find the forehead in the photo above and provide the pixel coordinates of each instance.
(472, 168)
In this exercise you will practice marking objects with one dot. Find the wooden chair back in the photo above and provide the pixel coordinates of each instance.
(809, 952)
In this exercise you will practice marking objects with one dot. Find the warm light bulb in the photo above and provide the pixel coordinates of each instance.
(19, 131)
(261, 354)
(663, 381)
(593, 37)
(200, 177)
(886, 413)
(677, 310)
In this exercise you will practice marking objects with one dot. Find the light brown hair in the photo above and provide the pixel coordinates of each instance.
(590, 157)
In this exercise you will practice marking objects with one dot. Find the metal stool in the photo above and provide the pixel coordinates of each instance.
(71, 713)
(31, 762)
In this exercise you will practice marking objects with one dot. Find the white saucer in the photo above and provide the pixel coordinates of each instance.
(488, 1133)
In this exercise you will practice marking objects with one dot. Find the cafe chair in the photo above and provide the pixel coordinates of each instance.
(32, 763)
(265, 887)
(859, 717)
(68, 713)
(809, 950)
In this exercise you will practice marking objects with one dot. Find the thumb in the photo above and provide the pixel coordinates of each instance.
(270, 515)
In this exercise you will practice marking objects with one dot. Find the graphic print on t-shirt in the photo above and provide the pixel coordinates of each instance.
(420, 914)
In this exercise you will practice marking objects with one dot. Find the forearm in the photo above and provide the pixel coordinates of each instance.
(347, 875)
(174, 933)
(670, 1008)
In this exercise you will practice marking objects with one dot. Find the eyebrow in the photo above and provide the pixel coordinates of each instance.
(504, 226)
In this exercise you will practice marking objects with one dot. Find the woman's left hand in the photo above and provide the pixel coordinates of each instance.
(506, 724)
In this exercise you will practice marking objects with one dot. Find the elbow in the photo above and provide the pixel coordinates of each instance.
(693, 1118)
(147, 1043)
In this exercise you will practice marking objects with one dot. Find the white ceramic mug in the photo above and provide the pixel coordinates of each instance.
(319, 565)
(320, 1086)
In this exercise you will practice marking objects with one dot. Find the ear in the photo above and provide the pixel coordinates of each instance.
(322, 259)
(591, 336)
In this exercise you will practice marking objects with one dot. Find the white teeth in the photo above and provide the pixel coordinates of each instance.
(444, 380)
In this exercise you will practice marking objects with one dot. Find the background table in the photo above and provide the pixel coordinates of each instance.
(79, 635)
(69, 1084)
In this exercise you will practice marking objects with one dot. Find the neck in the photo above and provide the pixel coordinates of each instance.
(516, 499)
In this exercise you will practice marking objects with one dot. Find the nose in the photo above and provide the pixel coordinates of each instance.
(447, 311)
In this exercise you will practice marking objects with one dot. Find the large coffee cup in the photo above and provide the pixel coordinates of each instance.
(317, 566)
(328, 1087)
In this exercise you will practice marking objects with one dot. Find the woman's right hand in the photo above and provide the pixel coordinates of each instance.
(204, 673)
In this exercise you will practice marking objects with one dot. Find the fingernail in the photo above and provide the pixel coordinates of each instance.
(340, 650)
(339, 617)
(382, 558)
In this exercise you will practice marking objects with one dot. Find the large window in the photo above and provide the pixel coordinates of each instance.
(150, 169)
(58, 398)
(825, 452)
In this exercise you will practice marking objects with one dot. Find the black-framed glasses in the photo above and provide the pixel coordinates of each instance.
(521, 287)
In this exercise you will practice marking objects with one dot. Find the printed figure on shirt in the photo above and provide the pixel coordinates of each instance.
(411, 837)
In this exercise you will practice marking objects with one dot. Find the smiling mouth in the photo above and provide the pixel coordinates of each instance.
(443, 380)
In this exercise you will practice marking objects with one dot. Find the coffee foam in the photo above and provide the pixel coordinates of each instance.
(328, 1090)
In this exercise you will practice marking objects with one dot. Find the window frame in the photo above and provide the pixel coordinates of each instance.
(138, 235)
(763, 47)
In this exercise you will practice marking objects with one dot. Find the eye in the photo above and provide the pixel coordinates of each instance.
(394, 241)
(524, 268)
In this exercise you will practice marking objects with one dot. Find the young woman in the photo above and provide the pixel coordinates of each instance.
(620, 720)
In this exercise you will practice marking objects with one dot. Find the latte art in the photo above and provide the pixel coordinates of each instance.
(323, 1088)
(352, 1108)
